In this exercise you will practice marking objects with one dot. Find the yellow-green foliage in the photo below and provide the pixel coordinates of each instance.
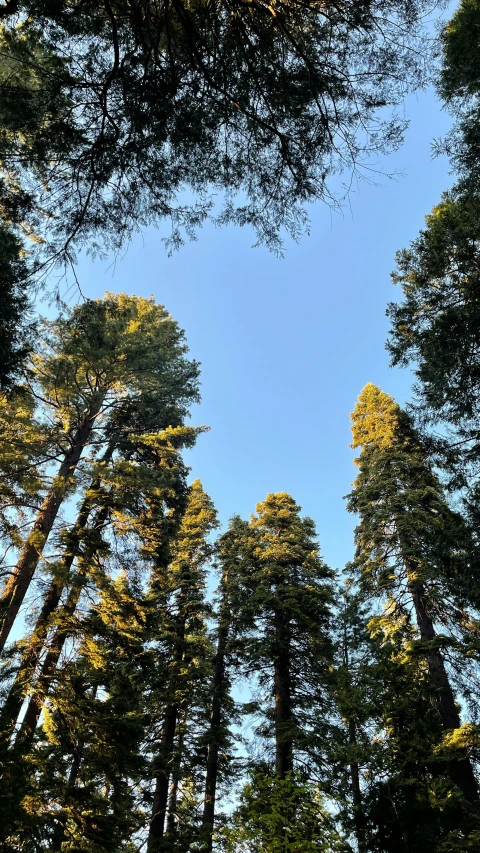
(374, 419)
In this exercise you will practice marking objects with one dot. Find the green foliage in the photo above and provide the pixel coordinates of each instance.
(108, 110)
(402, 507)
(280, 816)
(437, 324)
(286, 592)
(181, 669)
(15, 324)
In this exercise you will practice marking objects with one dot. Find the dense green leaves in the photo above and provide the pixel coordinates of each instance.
(109, 109)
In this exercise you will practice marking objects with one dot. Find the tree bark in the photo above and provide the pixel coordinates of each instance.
(172, 820)
(17, 586)
(218, 689)
(160, 799)
(460, 770)
(35, 705)
(358, 815)
(283, 700)
(32, 652)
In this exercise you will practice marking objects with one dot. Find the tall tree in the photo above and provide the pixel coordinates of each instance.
(409, 548)
(290, 593)
(232, 550)
(182, 633)
(144, 485)
(140, 495)
(437, 325)
(101, 357)
(285, 596)
(435, 328)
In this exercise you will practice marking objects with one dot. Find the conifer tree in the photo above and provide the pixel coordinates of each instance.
(286, 595)
(101, 357)
(436, 327)
(351, 745)
(232, 551)
(144, 485)
(183, 645)
(143, 501)
(388, 774)
(408, 551)
(87, 760)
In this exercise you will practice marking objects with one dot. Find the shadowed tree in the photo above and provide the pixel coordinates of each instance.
(109, 109)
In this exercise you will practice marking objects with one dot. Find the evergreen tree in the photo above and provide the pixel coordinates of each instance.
(101, 357)
(146, 491)
(183, 649)
(15, 327)
(389, 776)
(437, 325)
(351, 747)
(408, 550)
(232, 552)
(87, 761)
(435, 328)
(287, 595)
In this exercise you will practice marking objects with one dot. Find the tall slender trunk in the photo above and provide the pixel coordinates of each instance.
(358, 815)
(35, 705)
(160, 798)
(17, 586)
(33, 650)
(218, 690)
(172, 805)
(172, 821)
(283, 699)
(460, 770)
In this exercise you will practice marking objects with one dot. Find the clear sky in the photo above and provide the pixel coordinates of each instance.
(286, 345)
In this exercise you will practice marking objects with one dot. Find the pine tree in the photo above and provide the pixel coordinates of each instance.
(232, 551)
(286, 592)
(181, 630)
(408, 543)
(101, 357)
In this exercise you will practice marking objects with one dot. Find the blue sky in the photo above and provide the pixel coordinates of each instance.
(286, 345)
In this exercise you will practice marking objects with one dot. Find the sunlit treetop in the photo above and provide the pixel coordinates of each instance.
(374, 419)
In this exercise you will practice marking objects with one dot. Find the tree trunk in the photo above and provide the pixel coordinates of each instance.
(172, 821)
(33, 650)
(283, 701)
(460, 770)
(358, 816)
(160, 799)
(35, 705)
(17, 586)
(218, 689)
